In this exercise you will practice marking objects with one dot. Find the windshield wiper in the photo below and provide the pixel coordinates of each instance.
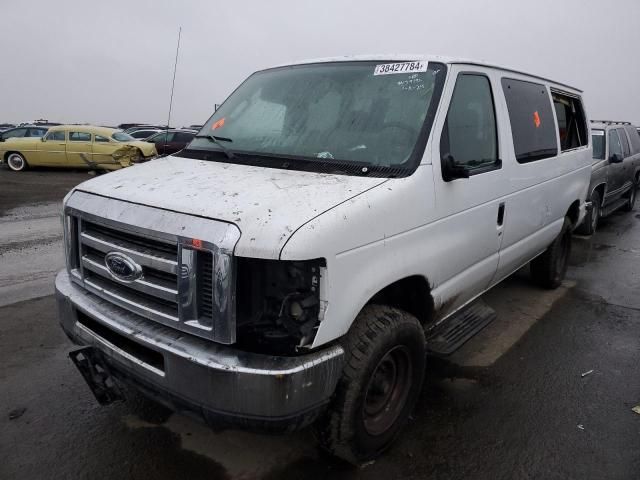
(217, 141)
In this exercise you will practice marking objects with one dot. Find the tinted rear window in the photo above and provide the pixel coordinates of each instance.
(597, 137)
(531, 118)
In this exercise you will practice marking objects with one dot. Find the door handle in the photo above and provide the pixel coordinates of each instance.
(501, 214)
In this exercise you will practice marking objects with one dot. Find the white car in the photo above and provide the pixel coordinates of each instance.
(331, 221)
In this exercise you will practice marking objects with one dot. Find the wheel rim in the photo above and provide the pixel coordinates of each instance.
(15, 162)
(632, 198)
(388, 390)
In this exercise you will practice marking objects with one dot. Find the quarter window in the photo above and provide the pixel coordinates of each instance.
(624, 142)
(79, 137)
(101, 139)
(615, 148)
(572, 126)
(531, 118)
(18, 132)
(634, 139)
(469, 136)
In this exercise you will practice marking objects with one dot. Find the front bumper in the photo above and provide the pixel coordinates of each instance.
(224, 386)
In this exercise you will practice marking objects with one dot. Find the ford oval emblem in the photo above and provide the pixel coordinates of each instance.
(122, 267)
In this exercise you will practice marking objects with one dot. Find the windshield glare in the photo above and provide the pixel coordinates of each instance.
(347, 112)
(122, 137)
(598, 144)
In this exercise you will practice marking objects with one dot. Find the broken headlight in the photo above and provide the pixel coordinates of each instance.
(278, 304)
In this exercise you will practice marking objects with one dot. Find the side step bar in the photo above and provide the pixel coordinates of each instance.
(609, 209)
(452, 333)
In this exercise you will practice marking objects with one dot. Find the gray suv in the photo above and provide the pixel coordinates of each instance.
(615, 171)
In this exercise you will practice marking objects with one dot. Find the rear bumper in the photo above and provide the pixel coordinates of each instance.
(222, 385)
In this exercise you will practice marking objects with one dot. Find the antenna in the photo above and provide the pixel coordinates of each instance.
(173, 84)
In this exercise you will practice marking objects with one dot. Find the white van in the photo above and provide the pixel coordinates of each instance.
(291, 264)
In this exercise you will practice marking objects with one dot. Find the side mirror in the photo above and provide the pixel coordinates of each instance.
(451, 171)
(42, 139)
(615, 158)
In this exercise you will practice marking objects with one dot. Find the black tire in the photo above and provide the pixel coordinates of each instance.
(380, 384)
(631, 201)
(16, 162)
(591, 219)
(548, 269)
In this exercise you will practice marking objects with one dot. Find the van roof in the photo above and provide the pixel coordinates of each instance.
(404, 57)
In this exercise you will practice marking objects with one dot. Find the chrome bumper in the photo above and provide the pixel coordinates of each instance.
(216, 382)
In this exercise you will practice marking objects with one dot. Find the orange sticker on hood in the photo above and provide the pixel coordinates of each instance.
(218, 124)
(536, 119)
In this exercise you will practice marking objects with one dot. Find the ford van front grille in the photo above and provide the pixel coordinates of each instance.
(180, 275)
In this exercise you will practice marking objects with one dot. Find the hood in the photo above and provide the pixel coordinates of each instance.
(267, 205)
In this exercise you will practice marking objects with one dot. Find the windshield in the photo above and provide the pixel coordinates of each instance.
(598, 144)
(122, 137)
(355, 114)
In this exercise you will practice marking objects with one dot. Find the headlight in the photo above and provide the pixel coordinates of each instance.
(278, 304)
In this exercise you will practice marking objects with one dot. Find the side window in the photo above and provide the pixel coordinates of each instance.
(469, 136)
(625, 143)
(572, 127)
(79, 137)
(36, 132)
(183, 137)
(614, 144)
(634, 138)
(56, 136)
(101, 139)
(597, 140)
(531, 118)
(18, 132)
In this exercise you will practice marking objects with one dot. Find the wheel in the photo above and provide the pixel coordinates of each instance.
(591, 219)
(380, 384)
(548, 269)
(16, 162)
(631, 201)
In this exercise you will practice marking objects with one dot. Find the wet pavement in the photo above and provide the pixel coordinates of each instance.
(511, 404)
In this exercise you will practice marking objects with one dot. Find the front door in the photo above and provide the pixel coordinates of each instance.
(471, 209)
(79, 149)
(164, 143)
(615, 178)
(53, 149)
(103, 149)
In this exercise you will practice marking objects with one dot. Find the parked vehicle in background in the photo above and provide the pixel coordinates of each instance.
(6, 126)
(171, 141)
(145, 133)
(20, 132)
(135, 128)
(615, 171)
(76, 146)
(289, 265)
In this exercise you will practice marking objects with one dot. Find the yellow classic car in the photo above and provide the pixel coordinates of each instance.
(76, 146)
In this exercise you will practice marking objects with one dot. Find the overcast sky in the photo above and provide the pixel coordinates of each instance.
(112, 62)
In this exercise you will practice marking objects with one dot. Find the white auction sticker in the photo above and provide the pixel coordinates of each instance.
(405, 67)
